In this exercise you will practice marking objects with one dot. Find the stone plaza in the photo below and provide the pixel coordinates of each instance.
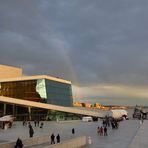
(117, 138)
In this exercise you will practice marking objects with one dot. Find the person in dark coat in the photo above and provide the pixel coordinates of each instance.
(19, 143)
(105, 131)
(31, 131)
(73, 131)
(58, 138)
(52, 139)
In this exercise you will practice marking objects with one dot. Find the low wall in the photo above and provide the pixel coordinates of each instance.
(77, 142)
(72, 143)
(28, 142)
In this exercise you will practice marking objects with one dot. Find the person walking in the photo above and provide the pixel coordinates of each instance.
(58, 138)
(52, 139)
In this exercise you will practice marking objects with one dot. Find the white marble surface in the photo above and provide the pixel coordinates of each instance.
(119, 138)
(141, 138)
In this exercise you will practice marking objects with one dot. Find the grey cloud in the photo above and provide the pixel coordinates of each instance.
(98, 41)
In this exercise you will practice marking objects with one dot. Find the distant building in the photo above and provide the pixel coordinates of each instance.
(77, 104)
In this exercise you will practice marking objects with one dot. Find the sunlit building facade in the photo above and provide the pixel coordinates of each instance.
(40, 88)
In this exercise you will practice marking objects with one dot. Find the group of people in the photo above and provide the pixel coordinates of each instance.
(58, 137)
(19, 143)
(36, 123)
(53, 138)
(106, 123)
(31, 130)
(102, 131)
(114, 124)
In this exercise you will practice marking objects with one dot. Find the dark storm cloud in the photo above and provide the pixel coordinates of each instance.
(88, 42)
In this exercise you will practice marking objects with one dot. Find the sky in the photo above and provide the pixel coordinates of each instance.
(99, 45)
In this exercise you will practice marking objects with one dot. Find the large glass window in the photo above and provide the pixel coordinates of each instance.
(41, 90)
(59, 93)
(20, 89)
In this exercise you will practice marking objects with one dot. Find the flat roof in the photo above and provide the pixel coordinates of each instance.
(9, 72)
(24, 78)
(8, 66)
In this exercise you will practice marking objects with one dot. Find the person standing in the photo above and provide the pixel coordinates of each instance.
(105, 131)
(31, 131)
(101, 131)
(58, 138)
(98, 130)
(73, 131)
(52, 139)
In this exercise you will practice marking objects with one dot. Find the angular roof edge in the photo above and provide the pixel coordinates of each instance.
(23, 78)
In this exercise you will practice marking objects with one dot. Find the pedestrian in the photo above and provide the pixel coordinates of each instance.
(101, 131)
(31, 131)
(19, 143)
(73, 131)
(105, 131)
(58, 138)
(98, 130)
(52, 139)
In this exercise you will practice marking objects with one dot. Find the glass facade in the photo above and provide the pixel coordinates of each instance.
(40, 90)
(20, 89)
(58, 93)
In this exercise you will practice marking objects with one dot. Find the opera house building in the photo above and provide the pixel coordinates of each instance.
(39, 96)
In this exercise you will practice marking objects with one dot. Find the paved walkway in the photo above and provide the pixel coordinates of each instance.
(141, 138)
(118, 138)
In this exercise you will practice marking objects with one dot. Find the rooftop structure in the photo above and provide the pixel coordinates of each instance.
(9, 72)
